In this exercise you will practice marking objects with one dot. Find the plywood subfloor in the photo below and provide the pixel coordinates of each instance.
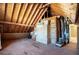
(29, 47)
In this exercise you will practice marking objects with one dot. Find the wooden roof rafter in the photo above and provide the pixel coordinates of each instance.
(11, 23)
(35, 14)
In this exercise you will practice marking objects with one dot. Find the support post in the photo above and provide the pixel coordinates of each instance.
(0, 42)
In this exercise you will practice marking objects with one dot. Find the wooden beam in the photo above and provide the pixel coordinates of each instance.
(22, 12)
(18, 16)
(44, 6)
(19, 12)
(40, 11)
(10, 29)
(35, 14)
(2, 11)
(77, 14)
(11, 23)
(9, 10)
(40, 16)
(32, 14)
(16, 12)
(27, 13)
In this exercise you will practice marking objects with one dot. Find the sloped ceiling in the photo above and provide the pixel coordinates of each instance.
(20, 17)
(64, 9)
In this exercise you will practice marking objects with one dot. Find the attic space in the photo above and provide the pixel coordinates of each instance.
(39, 28)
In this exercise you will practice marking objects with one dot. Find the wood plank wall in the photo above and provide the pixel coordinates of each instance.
(20, 17)
(64, 9)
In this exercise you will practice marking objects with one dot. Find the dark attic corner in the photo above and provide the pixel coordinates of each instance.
(39, 29)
